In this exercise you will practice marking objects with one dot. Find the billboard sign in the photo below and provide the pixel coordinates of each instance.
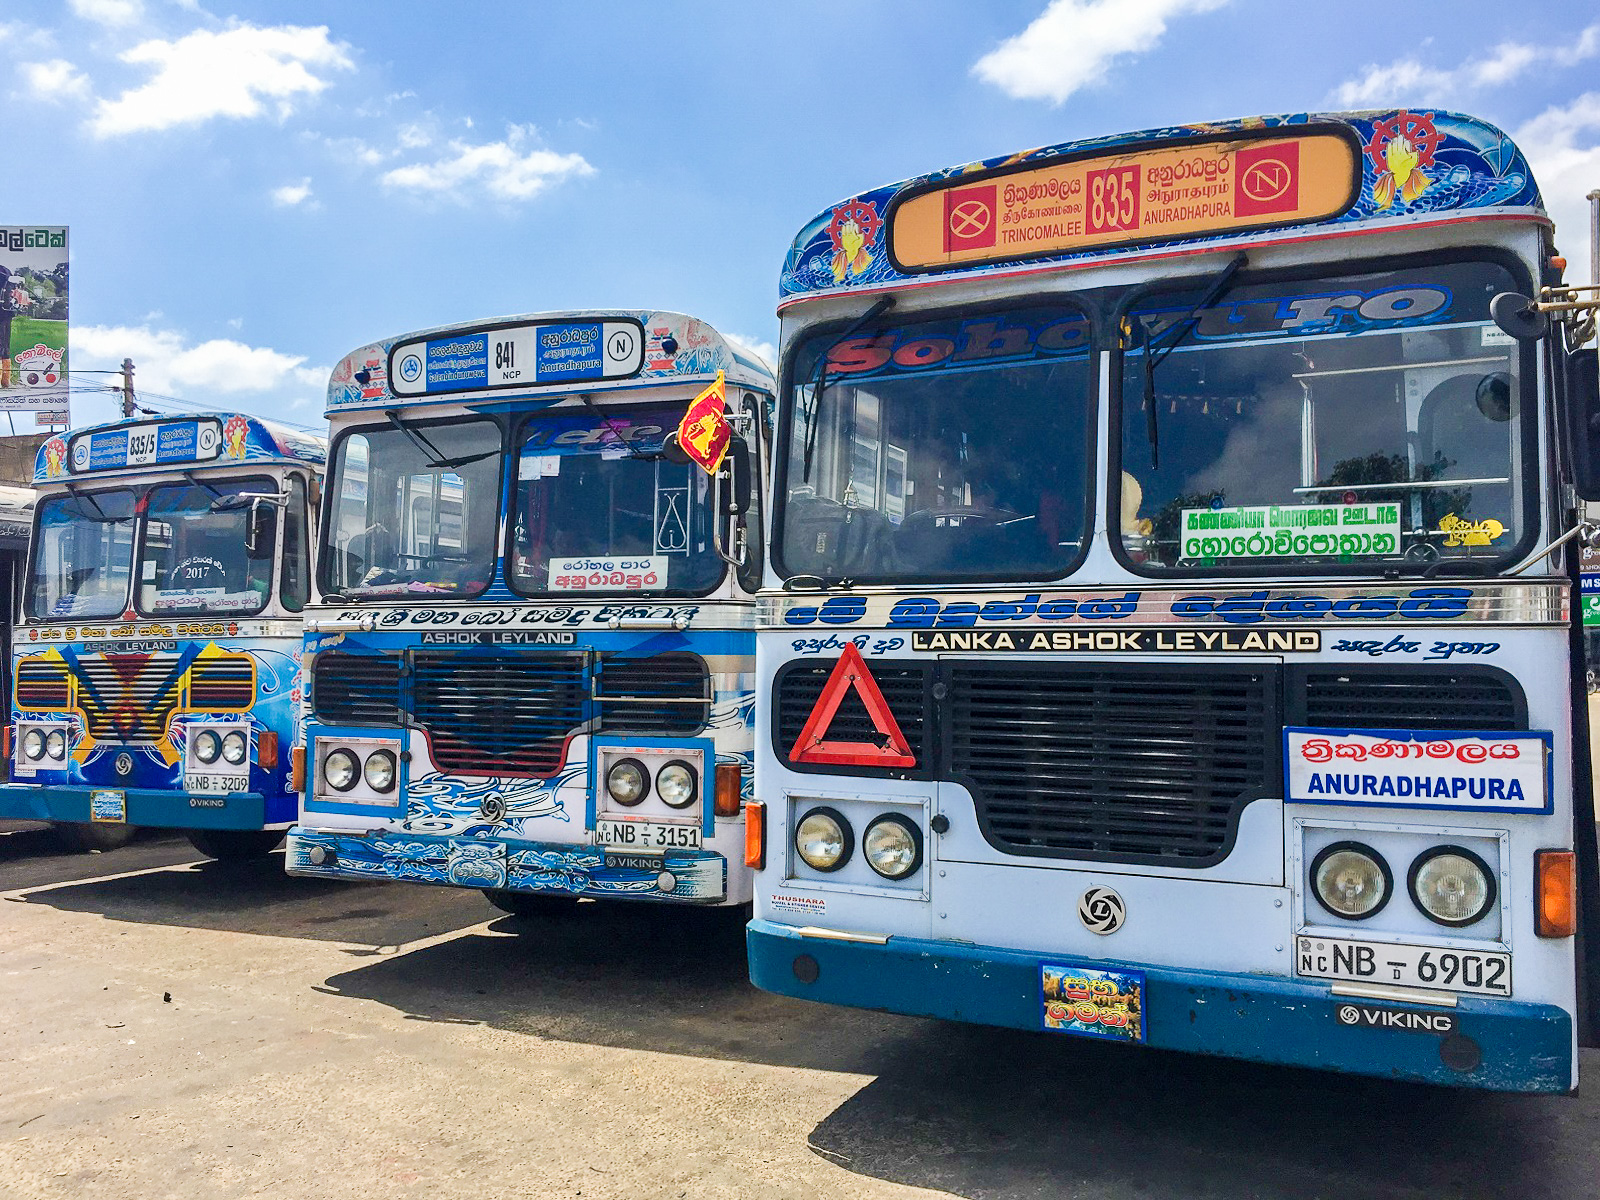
(33, 318)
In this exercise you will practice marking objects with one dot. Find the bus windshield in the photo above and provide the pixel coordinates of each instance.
(597, 508)
(82, 555)
(208, 548)
(1339, 421)
(416, 509)
(946, 448)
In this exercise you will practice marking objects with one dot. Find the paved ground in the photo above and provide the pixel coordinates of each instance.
(171, 1027)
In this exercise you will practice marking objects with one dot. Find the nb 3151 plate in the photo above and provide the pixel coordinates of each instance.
(646, 835)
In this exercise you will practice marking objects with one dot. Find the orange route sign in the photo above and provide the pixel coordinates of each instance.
(812, 745)
(1182, 190)
(704, 432)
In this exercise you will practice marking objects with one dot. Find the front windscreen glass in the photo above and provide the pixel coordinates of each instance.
(949, 448)
(82, 556)
(208, 548)
(599, 509)
(416, 510)
(1314, 424)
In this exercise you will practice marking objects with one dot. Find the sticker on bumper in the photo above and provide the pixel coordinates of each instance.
(1369, 1016)
(108, 805)
(1093, 1001)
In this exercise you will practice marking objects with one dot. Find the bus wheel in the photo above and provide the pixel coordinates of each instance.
(233, 845)
(527, 904)
(83, 837)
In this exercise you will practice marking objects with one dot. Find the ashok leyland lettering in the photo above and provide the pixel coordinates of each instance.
(1176, 630)
(533, 654)
(157, 663)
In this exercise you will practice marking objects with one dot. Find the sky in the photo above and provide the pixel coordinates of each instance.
(255, 189)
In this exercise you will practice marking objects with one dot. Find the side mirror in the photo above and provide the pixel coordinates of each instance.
(672, 452)
(258, 530)
(1583, 421)
(1517, 316)
(738, 465)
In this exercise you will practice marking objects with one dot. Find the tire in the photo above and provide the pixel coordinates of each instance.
(235, 845)
(85, 838)
(528, 904)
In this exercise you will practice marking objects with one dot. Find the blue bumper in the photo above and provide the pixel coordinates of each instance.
(547, 868)
(140, 806)
(1497, 1044)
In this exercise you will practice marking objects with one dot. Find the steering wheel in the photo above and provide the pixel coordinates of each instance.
(965, 513)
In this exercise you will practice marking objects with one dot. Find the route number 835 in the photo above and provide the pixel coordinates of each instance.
(1113, 200)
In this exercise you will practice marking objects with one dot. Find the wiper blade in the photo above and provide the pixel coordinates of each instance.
(89, 496)
(820, 378)
(1154, 358)
(201, 483)
(437, 459)
(633, 451)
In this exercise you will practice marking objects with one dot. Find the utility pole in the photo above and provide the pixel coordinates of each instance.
(127, 387)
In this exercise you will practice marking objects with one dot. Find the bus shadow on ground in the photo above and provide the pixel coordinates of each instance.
(252, 896)
(979, 1112)
(628, 976)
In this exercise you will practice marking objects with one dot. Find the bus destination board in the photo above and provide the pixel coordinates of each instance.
(541, 354)
(1182, 191)
(152, 443)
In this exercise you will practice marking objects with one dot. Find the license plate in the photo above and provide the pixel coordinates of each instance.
(647, 835)
(1440, 968)
(218, 784)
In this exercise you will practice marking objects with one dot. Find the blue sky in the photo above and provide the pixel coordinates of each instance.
(256, 188)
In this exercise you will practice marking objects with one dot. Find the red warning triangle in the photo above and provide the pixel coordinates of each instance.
(810, 747)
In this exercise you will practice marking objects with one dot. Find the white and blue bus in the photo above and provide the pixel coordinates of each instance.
(1172, 636)
(532, 656)
(157, 662)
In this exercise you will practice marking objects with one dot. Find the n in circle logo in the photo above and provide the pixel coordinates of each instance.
(1101, 910)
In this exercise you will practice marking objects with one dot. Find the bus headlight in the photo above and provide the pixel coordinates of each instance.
(626, 781)
(339, 770)
(207, 746)
(1351, 880)
(234, 747)
(378, 771)
(55, 744)
(33, 744)
(676, 784)
(892, 846)
(823, 839)
(1451, 885)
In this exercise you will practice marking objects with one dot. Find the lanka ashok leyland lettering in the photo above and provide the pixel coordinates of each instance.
(532, 651)
(1169, 625)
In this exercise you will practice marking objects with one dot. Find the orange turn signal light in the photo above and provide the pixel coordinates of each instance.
(297, 769)
(267, 749)
(755, 834)
(6, 740)
(1555, 881)
(729, 777)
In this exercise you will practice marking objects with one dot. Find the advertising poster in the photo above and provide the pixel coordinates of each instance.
(33, 318)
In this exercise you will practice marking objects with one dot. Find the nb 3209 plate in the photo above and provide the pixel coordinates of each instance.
(1438, 968)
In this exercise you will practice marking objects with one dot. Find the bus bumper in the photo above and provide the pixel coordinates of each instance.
(133, 806)
(1497, 1044)
(547, 868)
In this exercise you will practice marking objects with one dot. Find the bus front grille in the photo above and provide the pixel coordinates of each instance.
(664, 695)
(128, 698)
(356, 689)
(1126, 762)
(223, 683)
(498, 714)
(905, 690)
(1415, 696)
(42, 686)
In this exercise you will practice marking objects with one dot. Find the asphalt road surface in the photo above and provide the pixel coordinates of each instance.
(173, 1027)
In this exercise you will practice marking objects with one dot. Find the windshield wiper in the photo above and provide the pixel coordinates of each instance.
(819, 378)
(437, 460)
(201, 483)
(1154, 358)
(633, 451)
(80, 497)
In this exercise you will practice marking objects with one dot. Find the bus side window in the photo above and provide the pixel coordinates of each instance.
(295, 589)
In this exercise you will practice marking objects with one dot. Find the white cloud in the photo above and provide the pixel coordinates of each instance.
(291, 194)
(1563, 147)
(55, 80)
(1073, 43)
(165, 361)
(765, 351)
(413, 137)
(1410, 81)
(223, 74)
(108, 12)
(506, 170)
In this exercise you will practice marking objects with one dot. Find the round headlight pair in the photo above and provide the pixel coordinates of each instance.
(628, 782)
(341, 769)
(232, 747)
(1449, 884)
(36, 744)
(892, 844)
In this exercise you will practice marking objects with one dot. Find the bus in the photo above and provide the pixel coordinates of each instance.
(1170, 634)
(156, 664)
(531, 657)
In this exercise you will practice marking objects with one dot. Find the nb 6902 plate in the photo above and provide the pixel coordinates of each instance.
(1439, 968)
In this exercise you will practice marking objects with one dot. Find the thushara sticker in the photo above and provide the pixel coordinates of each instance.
(811, 906)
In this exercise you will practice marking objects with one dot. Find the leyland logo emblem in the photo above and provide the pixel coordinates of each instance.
(1101, 910)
